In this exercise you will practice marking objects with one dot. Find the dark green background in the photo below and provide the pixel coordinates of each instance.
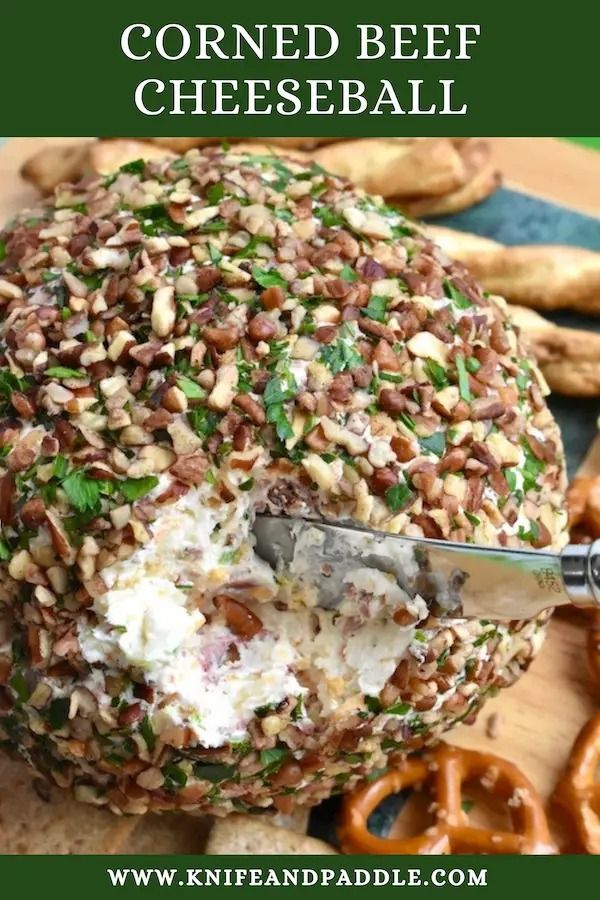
(533, 71)
(72, 878)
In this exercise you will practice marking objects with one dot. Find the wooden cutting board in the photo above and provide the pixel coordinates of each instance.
(538, 719)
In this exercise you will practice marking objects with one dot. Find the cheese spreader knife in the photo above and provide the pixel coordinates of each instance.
(462, 580)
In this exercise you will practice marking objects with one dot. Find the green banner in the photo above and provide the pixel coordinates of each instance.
(485, 877)
(238, 69)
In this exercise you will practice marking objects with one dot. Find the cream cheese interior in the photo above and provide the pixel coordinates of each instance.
(157, 617)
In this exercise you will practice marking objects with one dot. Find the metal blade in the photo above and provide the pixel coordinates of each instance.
(463, 580)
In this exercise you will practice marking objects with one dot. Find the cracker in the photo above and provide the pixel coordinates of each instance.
(250, 835)
(169, 833)
(38, 818)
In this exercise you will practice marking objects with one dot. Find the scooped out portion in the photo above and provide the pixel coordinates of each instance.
(194, 340)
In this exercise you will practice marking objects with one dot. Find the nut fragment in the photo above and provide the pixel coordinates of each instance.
(19, 565)
(319, 471)
(428, 346)
(163, 311)
(221, 396)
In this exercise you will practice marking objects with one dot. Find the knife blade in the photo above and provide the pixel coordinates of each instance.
(462, 580)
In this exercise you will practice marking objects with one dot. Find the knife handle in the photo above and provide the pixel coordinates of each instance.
(580, 564)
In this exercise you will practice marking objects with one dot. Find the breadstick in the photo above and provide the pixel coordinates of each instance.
(390, 166)
(108, 156)
(480, 181)
(569, 358)
(545, 277)
(54, 164)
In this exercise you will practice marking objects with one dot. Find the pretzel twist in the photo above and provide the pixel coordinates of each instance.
(444, 771)
(578, 791)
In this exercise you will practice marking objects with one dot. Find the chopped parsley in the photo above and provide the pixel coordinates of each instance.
(57, 713)
(212, 226)
(180, 165)
(147, 733)
(436, 374)
(134, 488)
(280, 389)
(214, 772)
(511, 480)
(474, 520)
(203, 421)
(5, 553)
(341, 356)
(60, 466)
(261, 711)
(389, 376)
(285, 215)
(435, 443)
(175, 777)
(373, 704)
(463, 379)
(457, 297)
(531, 534)
(407, 420)
(272, 162)
(473, 365)
(523, 379)
(19, 686)
(268, 277)
(10, 382)
(273, 759)
(191, 389)
(398, 709)
(329, 217)
(215, 254)
(532, 467)
(229, 557)
(155, 220)
(64, 372)
(135, 167)
(348, 273)
(443, 657)
(376, 308)
(390, 744)
(83, 492)
(215, 193)
(249, 251)
(2, 251)
(398, 496)
(244, 368)
(486, 636)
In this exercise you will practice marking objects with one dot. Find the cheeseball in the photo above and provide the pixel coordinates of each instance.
(182, 345)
